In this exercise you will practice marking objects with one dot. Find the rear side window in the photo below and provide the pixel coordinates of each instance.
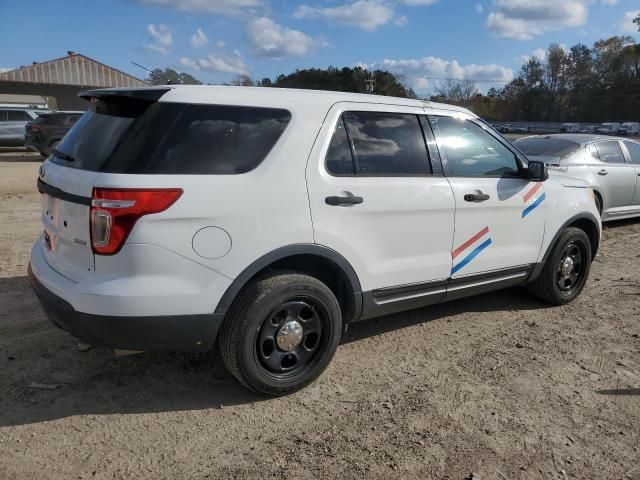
(382, 144)
(634, 152)
(339, 157)
(126, 136)
(547, 146)
(610, 152)
(17, 116)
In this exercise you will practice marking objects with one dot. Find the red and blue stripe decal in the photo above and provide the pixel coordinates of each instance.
(470, 249)
(533, 193)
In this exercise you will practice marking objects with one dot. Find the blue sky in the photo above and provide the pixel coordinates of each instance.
(214, 40)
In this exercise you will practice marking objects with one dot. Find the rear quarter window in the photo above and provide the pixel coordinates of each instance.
(119, 136)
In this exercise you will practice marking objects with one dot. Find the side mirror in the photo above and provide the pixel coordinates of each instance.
(538, 171)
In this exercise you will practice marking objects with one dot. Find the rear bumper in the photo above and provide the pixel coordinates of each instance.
(159, 333)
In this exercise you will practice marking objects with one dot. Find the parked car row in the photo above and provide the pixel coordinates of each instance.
(267, 220)
(607, 128)
(38, 130)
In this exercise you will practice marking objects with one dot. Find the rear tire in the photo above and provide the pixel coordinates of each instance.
(566, 270)
(281, 333)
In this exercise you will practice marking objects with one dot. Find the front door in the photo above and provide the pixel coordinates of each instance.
(375, 200)
(500, 214)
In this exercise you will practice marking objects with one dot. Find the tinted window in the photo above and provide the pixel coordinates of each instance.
(468, 150)
(3, 115)
(169, 138)
(388, 143)
(610, 152)
(634, 152)
(339, 158)
(17, 116)
(546, 146)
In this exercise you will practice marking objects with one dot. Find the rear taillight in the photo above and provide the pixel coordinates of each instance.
(114, 212)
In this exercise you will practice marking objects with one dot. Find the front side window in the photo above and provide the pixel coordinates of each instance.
(468, 150)
(610, 152)
(634, 152)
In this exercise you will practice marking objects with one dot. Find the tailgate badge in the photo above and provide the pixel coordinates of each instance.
(81, 242)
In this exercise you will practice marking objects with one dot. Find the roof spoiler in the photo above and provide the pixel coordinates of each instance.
(149, 94)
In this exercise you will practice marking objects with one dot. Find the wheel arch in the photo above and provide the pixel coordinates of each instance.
(586, 222)
(319, 261)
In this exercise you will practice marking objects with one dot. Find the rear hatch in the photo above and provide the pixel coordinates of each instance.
(66, 180)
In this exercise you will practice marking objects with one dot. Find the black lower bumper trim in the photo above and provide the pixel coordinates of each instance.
(155, 333)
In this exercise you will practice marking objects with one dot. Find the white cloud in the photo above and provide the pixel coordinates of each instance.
(161, 34)
(199, 39)
(220, 44)
(224, 7)
(524, 19)
(479, 8)
(3, 69)
(268, 39)
(428, 72)
(364, 14)
(217, 63)
(161, 37)
(627, 25)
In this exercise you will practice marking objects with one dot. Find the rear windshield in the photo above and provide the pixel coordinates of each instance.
(543, 147)
(129, 135)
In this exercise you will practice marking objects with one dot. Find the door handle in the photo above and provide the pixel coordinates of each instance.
(476, 197)
(346, 200)
(603, 172)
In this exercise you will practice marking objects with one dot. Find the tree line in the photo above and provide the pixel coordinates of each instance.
(579, 84)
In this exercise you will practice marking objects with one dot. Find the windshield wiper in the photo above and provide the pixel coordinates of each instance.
(62, 155)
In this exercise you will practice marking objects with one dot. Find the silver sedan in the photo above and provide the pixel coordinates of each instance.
(611, 166)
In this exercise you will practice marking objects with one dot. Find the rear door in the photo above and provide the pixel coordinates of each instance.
(616, 176)
(376, 199)
(500, 214)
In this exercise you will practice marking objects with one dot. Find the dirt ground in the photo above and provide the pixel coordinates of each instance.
(498, 385)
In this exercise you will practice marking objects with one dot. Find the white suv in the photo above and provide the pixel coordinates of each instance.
(269, 219)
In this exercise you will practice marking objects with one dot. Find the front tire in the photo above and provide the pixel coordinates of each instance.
(281, 333)
(566, 270)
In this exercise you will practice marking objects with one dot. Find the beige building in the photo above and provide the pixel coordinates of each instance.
(60, 80)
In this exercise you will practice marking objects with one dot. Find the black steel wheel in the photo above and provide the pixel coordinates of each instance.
(566, 270)
(571, 266)
(281, 333)
(293, 336)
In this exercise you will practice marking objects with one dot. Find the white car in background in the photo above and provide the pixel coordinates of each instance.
(269, 219)
(610, 165)
(630, 128)
(609, 128)
(12, 125)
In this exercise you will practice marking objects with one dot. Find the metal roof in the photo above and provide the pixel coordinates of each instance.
(74, 69)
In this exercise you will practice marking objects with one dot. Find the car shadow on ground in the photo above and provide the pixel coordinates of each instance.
(35, 356)
(615, 224)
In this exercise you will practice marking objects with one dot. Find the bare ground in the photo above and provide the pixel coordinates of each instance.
(500, 385)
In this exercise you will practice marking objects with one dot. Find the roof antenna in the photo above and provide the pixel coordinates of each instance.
(151, 71)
